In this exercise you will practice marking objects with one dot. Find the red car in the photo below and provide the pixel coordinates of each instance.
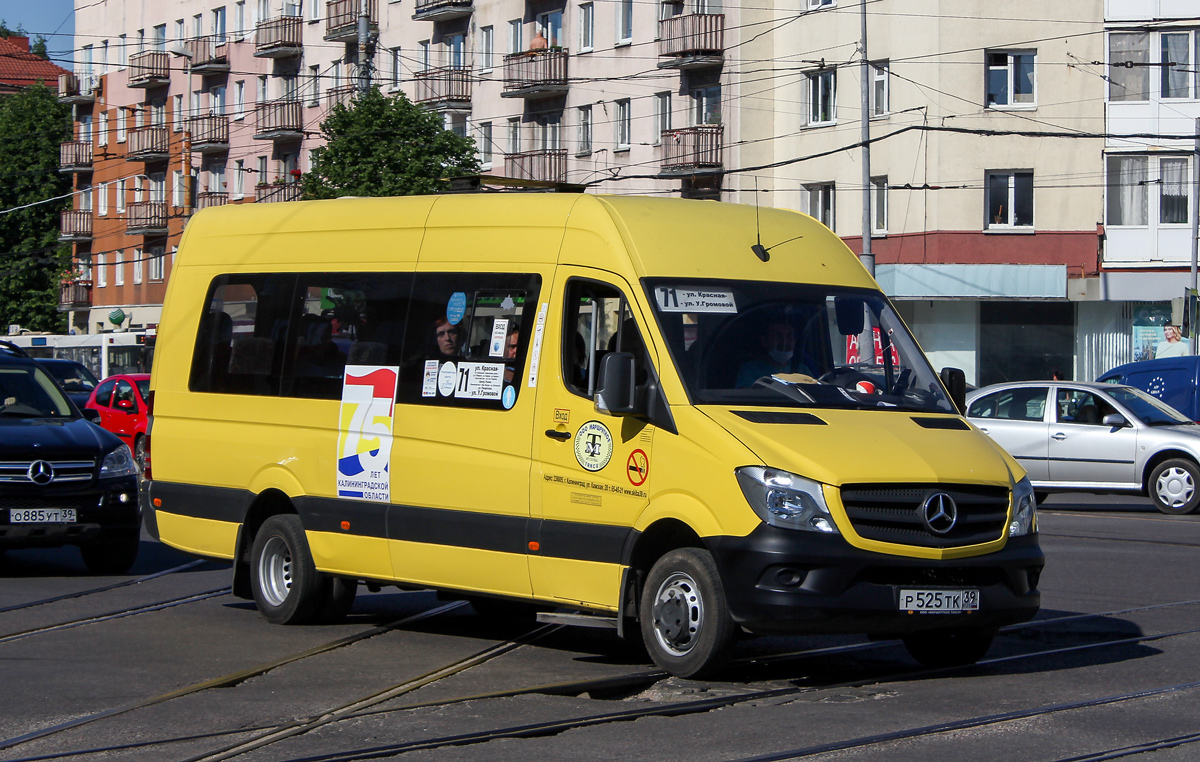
(121, 401)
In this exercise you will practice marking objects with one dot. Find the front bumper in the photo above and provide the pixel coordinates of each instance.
(100, 515)
(786, 581)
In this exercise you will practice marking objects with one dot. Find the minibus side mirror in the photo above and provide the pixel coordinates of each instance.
(850, 318)
(956, 384)
(616, 393)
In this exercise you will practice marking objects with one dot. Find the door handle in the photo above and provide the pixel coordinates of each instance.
(561, 436)
(983, 429)
(1059, 436)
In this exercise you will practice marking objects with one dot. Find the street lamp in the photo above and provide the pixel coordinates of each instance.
(179, 49)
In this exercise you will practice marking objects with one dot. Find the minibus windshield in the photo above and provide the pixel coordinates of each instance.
(789, 345)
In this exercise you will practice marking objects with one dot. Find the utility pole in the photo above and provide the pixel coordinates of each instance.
(1187, 300)
(864, 68)
(365, 46)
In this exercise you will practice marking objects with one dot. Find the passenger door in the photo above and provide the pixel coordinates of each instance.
(123, 416)
(1082, 449)
(594, 468)
(1016, 419)
(462, 435)
(103, 400)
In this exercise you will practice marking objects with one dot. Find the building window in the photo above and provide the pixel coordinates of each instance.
(485, 144)
(120, 199)
(239, 99)
(486, 48)
(1176, 65)
(822, 93)
(239, 19)
(706, 102)
(880, 97)
(514, 136)
(623, 124)
(178, 195)
(821, 3)
(1173, 191)
(239, 178)
(262, 88)
(122, 120)
(1010, 79)
(160, 37)
(314, 10)
(514, 36)
(177, 113)
(879, 211)
(180, 36)
(820, 203)
(141, 40)
(119, 268)
(1129, 201)
(454, 45)
(262, 171)
(122, 50)
(1009, 200)
(314, 77)
(624, 21)
(137, 267)
(101, 272)
(587, 27)
(662, 115)
(423, 55)
(1128, 72)
(102, 199)
(85, 196)
(397, 69)
(102, 129)
(156, 263)
(585, 131)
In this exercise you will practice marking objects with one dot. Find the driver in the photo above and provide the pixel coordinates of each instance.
(776, 354)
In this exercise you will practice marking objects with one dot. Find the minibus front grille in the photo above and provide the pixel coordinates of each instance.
(894, 513)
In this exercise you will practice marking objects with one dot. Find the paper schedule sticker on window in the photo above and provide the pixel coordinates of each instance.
(499, 334)
(479, 380)
(365, 432)
(678, 299)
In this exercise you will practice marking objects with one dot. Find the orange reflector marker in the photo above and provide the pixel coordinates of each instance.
(535, 546)
(345, 525)
(157, 502)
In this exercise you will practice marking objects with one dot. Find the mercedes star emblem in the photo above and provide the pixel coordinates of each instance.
(40, 472)
(939, 513)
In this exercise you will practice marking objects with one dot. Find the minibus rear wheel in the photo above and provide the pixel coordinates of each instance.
(287, 587)
(685, 619)
(949, 648)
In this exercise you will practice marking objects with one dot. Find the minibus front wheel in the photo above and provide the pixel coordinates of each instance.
(287, 587)
(684, 615)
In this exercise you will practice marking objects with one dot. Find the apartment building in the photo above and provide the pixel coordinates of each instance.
(622, 96)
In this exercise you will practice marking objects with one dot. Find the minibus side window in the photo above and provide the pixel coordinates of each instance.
(598, 321)
(467, 339)
(240, 341)
(341, 319)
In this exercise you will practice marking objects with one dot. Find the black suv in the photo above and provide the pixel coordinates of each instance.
(63, 479)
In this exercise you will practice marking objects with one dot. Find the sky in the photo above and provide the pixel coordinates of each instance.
(44, 17)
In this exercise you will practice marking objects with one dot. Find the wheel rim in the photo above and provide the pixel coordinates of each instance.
(678, 614)
(1175, 487)
(275, 571)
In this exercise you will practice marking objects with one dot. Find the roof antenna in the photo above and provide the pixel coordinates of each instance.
(757, 248)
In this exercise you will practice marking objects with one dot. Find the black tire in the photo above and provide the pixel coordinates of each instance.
(949, 648)
(685, 618)
(286, 585)
(113, 557)
(338, 595)
(139, 454)
(1174, 486)
(1040, 497)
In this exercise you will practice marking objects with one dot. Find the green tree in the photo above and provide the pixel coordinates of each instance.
(32, 261)
(38, 48)
(386, 146)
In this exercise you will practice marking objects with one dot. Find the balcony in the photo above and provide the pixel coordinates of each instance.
(341, 19)
(210, 55)
(75, 295)
(692, 150)
(74, 89)
(205, 199)
(279, 38)
(441, 10)
(75, 156)
(271, 193)
(535, 74)
(146, 218)
(75, 225)
(148, 144)
(446, 88)
(279, 120)
(547, 165)
(149, 69)
(341, 94)
(691, 41)
(210, 134)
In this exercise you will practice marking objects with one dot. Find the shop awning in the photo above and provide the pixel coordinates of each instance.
(973, 281)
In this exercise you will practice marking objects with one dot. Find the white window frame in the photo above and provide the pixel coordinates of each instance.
(514, 136)
(101, 270)
(814, 4)
(122, 51)
(314, 78)
(239, 179)
(119, 201)
(516, 36)
(154, 268)
(239, 99)
(137, 266)
(662, 115)
(397, 69)
(239, 20)
(879, 206)
(1147, 172)
(485, 144)
(1187, 68)
(587, 28)
(1010, 73)
(623, 124)
(822, 91)
(584, 144)
(263, 171)
(102, 199)
(102, 129)
(177, 194)
(119, 267)
(455, 46)
(487, 49)
(881, 96)
(122, 123)
(822, 203)
(624, 22)
(1008, 223)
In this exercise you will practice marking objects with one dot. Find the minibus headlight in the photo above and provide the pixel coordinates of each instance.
(1024, 520)
(117, 463)
(785, 500)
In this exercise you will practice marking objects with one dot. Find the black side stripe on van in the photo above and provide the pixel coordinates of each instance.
(463, 529)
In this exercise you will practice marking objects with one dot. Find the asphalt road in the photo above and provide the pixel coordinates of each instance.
(164, 664)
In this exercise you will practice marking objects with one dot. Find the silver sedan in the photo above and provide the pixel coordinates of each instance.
(1087, 437)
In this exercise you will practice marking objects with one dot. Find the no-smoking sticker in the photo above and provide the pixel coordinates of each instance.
(637, 468)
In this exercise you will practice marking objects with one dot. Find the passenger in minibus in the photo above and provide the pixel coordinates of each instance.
(776, 354)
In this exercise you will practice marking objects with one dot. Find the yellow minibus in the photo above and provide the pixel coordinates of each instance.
(681, 419)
